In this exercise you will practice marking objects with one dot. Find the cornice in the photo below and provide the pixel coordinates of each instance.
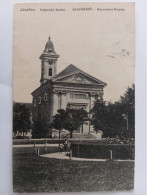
(47, 55)
(74, 83)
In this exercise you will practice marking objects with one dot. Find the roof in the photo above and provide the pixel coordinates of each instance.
(71, 69)
(68, 69)
(49, 47)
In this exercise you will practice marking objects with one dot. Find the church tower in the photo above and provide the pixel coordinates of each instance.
(48, 62)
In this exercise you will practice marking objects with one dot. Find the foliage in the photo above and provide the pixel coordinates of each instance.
(98, 115)
(116, 119)
(101, 151)
(128, 107)
(69, 119)
(21, 118)
(81, 115)
(76, 119)
(38, 127)
(59, 120)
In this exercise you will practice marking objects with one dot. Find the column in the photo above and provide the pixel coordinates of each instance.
(55, 102)
(64, 101)
(89, 110)
(59, 100)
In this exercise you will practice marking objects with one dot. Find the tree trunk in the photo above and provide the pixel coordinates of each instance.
(70, 134)
(82, 126)
(23, 134)
(59, 134)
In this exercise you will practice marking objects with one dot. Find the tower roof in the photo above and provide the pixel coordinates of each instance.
(49, 47)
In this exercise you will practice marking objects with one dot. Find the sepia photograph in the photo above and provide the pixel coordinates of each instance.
(73, 97)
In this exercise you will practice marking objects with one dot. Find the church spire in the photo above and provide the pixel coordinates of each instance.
(48, 62)
(49, 47)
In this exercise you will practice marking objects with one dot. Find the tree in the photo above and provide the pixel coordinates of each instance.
(128, 108)
(75, 119)
(98, 115)
(69, 119)
(38, 129)
(21, 118)
(117, 118)
(59, 120)
(78, 117)
(81, 116)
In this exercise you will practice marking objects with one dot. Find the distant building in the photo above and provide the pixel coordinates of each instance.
(71, 88)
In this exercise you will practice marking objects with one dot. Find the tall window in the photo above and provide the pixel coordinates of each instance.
(50, 72)
(45, 97)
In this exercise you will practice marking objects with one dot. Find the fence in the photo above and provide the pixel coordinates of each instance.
(102, 151)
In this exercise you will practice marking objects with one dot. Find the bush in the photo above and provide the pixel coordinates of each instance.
(102, 151)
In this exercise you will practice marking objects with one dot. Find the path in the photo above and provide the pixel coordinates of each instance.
(62, 155)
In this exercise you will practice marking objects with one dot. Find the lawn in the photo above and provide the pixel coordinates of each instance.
(32, 173)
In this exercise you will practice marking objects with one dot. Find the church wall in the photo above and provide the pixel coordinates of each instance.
(92, 101)
(34, 111)
(78, 100)
(55, 103)
(42, 109)
(60, 100)
(51, 105)
(64, 101)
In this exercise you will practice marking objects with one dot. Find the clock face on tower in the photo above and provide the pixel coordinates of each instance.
(50, 62)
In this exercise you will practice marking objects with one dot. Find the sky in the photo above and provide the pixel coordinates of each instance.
(101, 43)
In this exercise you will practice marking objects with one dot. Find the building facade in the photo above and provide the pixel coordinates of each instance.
(71, 88)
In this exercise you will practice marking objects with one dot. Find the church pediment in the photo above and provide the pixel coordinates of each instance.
(72, 74)
(79, 78)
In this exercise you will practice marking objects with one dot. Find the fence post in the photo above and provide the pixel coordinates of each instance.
(34, 144)
(133, 154)
(92, 150)
(45, 147)
(78, 150)
(70, 154)
(110, 155)
(38, 152)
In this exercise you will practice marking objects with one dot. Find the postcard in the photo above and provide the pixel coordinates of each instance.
(73, 97)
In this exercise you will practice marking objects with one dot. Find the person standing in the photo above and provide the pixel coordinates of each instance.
(65, 145)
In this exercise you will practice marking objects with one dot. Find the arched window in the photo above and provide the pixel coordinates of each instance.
(45, 97)
(34, 103)
(50, 72)
(39, 100)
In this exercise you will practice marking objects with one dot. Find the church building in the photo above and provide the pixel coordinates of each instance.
(71, 88)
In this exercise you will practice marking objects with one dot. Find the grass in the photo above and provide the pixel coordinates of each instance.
(33, 173)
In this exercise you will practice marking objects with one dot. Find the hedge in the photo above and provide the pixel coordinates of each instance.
(102, 151)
